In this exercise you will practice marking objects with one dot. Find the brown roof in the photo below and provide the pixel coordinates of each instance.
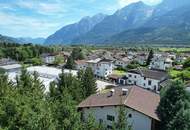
(138, 99)
(80, 62)
(153, 74)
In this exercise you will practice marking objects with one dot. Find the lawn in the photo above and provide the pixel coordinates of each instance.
(119, 72)
(175, 49)
(174, 73)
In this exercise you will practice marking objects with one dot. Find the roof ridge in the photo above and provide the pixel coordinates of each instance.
(130, 91)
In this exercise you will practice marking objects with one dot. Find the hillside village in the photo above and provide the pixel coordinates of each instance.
(130, 78)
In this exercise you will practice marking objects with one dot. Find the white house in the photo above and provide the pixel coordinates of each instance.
(81, 64)
(139, 103)
(123, 62)
(100, 67)
(104, 68)
(149, 79)
(161, 62)
(48, 58)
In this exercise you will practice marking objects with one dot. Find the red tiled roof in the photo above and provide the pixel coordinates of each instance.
(138, 99)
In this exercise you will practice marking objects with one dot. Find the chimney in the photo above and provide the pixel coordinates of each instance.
(124, 91)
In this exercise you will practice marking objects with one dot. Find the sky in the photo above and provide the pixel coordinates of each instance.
(41, 18)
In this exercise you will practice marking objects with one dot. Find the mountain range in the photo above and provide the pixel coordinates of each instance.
(21, 40)
(168, 21)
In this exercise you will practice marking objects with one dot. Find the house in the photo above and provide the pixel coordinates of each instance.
(118, 79)
(104, 68)
(161, 62)
(140, 104)
(145, 78)
(81, 64)
(141, 58)
(123, 62)
(48, 58)
(100, 67)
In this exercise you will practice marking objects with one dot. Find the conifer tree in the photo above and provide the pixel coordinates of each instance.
(88, 83)
(150, 56)
(70, 63)
(174, 103)
(122, 123)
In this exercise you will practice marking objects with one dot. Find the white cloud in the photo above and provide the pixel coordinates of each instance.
(26, 26)
(45, 8)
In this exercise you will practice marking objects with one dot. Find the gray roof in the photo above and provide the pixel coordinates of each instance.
(153, 74)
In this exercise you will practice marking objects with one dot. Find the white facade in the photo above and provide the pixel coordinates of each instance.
(138, 120)
(81, 66)
(161, 63)
(99, 67)
(48, 59)
(148, 83)
(104, 69)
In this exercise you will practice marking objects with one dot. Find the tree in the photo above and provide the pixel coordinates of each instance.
(182, 120)
(173, 100)
(36, 61)
(91, 124)
(77, 54)
(70, 63)
(2, 71)
(63, 104)
(59, 60)
(122, 123)
(88, 83)
(186, 64)
(133, 65)
(24, 107)
(150, 56)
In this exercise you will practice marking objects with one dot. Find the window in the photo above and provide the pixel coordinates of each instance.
(110, 118)
(130, 75)
(135, 83)
(130, 115)
(100, 121)
(109, 127)
(135, 76)
(155, 88)
(149, 82)
(144, 78)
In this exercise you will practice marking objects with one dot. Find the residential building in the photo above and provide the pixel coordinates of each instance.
(104, 68)
(140, 104)
(123, 62)
(81, 64)
(145, 78)
(101, 67)
(48, 58)
(161, 62)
